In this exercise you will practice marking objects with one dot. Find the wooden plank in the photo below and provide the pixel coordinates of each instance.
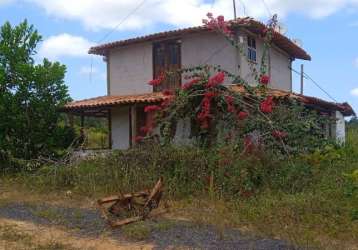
(109, 199)
(125, 221)
(157, 188)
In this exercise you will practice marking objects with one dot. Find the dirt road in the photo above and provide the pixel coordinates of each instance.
(26, 225)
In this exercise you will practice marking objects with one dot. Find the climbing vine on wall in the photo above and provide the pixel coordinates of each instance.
(243, 113)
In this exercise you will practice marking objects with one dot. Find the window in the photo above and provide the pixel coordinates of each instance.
(166, 57)
(251, 49)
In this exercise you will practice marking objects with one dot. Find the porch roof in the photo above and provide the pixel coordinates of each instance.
(99, 106)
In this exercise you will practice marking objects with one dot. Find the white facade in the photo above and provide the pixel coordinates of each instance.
(339, 128)
(120, 127)
(131, 67)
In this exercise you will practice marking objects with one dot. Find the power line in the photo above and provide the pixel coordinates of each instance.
(122, 21)
(321, 88)
(307, 77)
(267, 8)
(114, 29)
(243, 6)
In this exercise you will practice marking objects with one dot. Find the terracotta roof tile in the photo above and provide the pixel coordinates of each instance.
(250, 24)
(345, 108)
(110, 101)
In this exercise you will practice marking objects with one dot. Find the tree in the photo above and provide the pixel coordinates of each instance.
(30, 96)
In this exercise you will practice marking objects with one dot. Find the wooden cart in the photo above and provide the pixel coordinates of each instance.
(124, 209)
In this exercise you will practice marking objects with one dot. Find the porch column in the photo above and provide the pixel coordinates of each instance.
(133, 112)
(82, 132)
(339, 128)
(109, 129)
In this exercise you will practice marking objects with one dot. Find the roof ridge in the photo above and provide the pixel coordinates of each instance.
(281, 40)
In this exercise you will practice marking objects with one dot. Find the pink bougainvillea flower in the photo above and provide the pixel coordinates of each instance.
(210, 95)
(204, 116)
(242, 115)
(249, 145)
(190, 84)
(157, 81)
(279, 134)
(264, 31)
(167, 101)
(138, 138)
(146, 130)
(152, 108)
(267, 105)
(230, 104)
(205, 124)
(216, 80)
(167, 92)
(218, 23)
(264, 79)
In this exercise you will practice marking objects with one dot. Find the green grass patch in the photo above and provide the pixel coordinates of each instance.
(309, 200)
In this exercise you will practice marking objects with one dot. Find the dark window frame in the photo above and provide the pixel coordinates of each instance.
(172, 61)
(251, 49)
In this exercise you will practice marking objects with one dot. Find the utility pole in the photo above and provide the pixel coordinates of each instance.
(302, 78)
(234, 4)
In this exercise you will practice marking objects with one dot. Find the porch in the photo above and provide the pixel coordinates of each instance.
(124, 117)
(125, 114)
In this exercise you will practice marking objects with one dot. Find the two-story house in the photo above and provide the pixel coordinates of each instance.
(132, 63)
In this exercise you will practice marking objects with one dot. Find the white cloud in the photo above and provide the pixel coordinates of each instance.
(355, 62)
(3, 2)
(87, 70)
(354, 92)
(64, 45)
(98, 14)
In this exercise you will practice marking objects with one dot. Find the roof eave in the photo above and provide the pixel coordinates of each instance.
(292, 49)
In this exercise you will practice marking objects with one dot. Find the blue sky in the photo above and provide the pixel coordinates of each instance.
(327, 28)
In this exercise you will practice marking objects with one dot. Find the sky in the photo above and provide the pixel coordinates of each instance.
(327, 29)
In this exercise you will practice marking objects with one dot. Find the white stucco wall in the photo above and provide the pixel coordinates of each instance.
(120, 127)
(280, 67)
(340, 128)
(209, 48)
(130, 69)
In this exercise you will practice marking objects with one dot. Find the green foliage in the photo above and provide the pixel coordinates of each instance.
(30, 97)
(301, 199)
(284, 127)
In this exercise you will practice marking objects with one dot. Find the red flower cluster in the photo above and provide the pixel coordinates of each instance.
(279, 134)
(138, 139)
(267, 105)
(167, 92)
(157, 81)
(146, 129)
(230, 104)
(216, 80)
(218, 23)
(264, 79)
(204, 116)
(249, 145)
(166, 103)
(242, 115)
(190, 84)
(152, 108)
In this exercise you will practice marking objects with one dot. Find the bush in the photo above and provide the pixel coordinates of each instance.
(186, 171)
